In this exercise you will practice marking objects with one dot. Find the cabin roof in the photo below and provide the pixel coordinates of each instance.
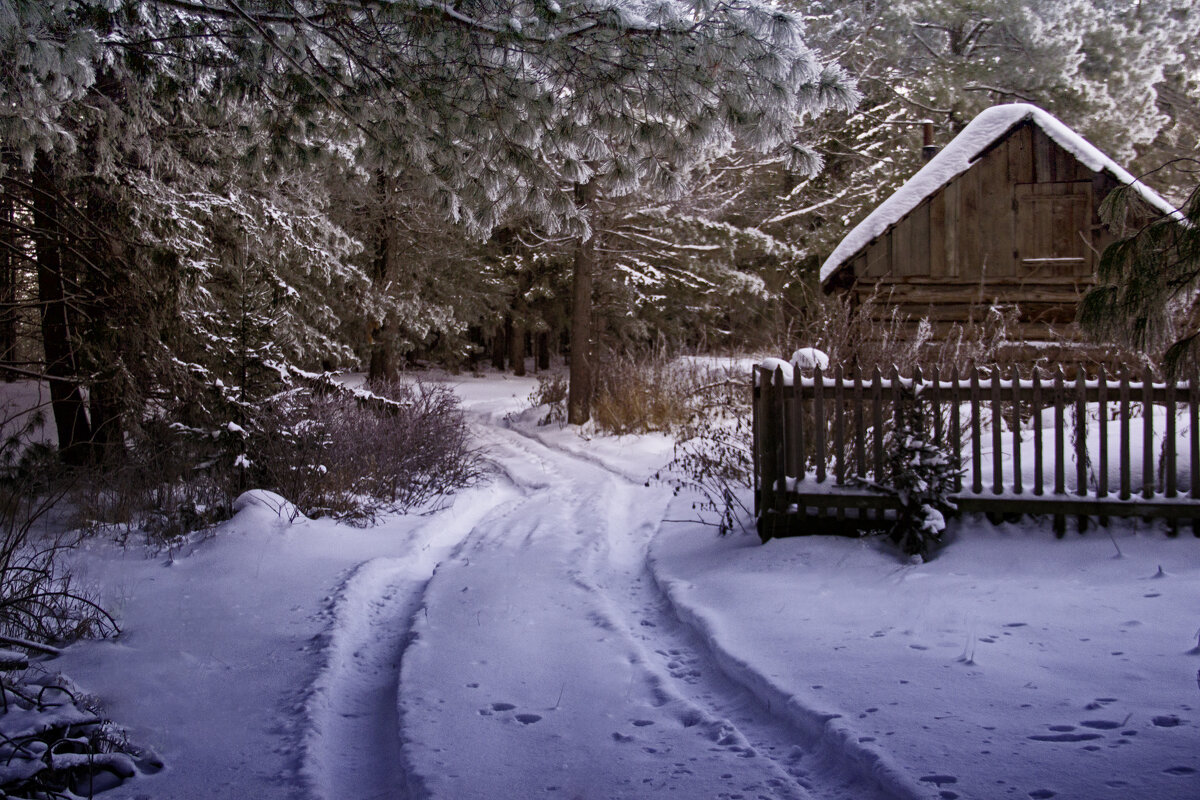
(989, 127)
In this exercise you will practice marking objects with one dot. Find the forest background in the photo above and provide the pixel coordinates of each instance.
(205, 204)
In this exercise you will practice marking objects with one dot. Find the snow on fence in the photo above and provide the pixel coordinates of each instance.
(1037, 445)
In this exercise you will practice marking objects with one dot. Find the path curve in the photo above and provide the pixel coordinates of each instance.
(531, 654)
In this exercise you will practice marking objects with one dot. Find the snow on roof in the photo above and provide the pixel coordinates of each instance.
(989, 127)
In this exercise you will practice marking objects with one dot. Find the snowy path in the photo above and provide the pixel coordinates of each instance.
(352, 747)
(542, 660)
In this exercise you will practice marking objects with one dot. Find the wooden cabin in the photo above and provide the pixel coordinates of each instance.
(1005, 216)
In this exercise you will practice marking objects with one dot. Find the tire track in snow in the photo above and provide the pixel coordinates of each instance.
(649, 698)
(687, 671)
(353, 745)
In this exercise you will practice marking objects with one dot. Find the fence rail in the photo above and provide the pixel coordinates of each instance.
(1038, 444)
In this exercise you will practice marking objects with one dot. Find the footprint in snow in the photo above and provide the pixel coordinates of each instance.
(1099, 703)
(502, 706)
(1064, 737)
(939, 780)
(528, 719)
(1170, 721)
(1101, 724)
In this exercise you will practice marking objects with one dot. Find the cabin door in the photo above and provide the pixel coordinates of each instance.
(1054, 232)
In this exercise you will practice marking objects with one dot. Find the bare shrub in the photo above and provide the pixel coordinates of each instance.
(551, 391)
(333, 456)
(53, 743)
(168, 482)
(714, 458)
(40, 604)
(861, 335)
(329, 452)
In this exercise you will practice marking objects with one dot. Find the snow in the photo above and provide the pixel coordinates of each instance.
(989, 126)
(810, 358)
(1013, 665)
(565, 631)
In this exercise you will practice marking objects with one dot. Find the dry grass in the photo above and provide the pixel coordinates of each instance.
(638, 395)
(862, 336)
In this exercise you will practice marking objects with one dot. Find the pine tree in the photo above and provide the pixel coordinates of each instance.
(922, 474)
(1148, 292)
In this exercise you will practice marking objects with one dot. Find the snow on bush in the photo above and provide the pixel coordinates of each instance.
(357, 457)
(922, 475)
(55, 744)
(810, 358)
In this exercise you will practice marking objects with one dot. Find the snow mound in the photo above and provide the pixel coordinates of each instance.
(260, 502)
(810, 358)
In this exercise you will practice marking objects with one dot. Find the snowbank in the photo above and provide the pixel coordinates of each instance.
(1014, 664)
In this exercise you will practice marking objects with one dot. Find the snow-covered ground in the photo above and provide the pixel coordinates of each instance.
(559, 633)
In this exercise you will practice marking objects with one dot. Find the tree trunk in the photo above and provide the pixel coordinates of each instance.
(516, 350)
(66, 399)
(579, 384)
(8, 284)
(108, 432)
(500, 346)
(543, 350)
(382, 366)
(101, 326)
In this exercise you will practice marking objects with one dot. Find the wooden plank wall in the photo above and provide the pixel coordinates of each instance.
(1018, 228)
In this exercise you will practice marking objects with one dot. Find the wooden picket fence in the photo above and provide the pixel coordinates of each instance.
(1042, 444)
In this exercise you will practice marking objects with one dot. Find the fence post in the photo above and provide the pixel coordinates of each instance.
(956, 426)
(819, 424)
(1194, 441)
(801, 442)
(1169, 486)
(997, 433)
(839, 429)
(1016, 429)
(1126, 478)
(768, 454)
(1148, 435)
(1038, 448)
(761, 420)
(795, 427)
(1081, 451)
(1060, 482)
(935, 402)
(877, 438)
(1102, 421)
(976, 434)
(779, 451)
(1194, 431)
(1060, 521)
(860, 442)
